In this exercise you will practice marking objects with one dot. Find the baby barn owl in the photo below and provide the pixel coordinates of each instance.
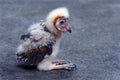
(41, 43)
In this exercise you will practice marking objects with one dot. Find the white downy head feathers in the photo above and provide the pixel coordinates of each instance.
(53, 14)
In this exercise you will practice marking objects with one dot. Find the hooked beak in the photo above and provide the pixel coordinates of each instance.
(69, 30)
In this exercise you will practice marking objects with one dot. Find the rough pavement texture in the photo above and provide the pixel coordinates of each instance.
(94, 45)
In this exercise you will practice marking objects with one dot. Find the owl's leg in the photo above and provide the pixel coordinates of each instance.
(56, 65)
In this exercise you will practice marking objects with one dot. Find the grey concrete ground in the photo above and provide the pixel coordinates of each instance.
(94, 45)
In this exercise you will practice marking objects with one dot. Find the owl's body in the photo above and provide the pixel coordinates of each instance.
(37, 45)
(41, 43)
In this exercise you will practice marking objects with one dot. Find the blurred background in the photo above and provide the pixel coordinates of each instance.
(94, 44)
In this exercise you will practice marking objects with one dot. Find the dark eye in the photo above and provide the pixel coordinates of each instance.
(62, 22)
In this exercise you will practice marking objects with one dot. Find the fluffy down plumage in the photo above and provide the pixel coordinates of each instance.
(41, 42)
(36, 45)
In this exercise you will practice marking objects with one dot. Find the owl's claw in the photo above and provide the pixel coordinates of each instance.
(69, 66)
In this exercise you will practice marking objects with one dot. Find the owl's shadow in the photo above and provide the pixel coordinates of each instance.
(27, 67)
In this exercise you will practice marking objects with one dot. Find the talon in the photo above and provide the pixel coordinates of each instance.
(69, 67)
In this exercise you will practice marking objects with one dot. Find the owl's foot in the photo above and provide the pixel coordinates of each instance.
(56, 65)
(63, 65)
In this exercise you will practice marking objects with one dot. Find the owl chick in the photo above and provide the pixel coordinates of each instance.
(41, 44)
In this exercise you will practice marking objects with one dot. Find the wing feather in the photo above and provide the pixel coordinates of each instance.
(35, 47)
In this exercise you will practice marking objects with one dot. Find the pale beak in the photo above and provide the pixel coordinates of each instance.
(68, 28)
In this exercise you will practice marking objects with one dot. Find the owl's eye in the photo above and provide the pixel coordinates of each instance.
(62, 22)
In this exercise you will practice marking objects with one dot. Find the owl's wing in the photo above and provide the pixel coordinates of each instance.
(36, 55)
(38, 45)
